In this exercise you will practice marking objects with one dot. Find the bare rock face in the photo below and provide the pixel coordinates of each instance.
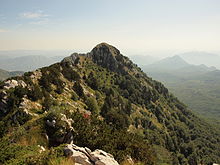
(36, 75)
(60, 130)
(73, 58)
(106, 56)
(10, 84)
(84, 156)
(14, 83)
(4, 96)
(103, 158)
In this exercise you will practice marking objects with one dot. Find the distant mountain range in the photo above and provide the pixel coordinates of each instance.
(170, 63)
(198, 58)
(27, 60)
(143, 60)
(5, 74)
(195, 58)
(196, 85)
(27, 63)
(176, 66)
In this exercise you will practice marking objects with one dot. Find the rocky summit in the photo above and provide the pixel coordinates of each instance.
(99, 108)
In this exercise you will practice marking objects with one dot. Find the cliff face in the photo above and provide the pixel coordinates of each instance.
(106, 56)
(100, 100)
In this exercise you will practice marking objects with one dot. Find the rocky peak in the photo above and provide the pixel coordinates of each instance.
(106, 56)
(73, 58)
(110, 57)
(105, 49)
(103, 53)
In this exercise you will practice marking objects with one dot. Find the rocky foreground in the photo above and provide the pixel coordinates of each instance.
(84, 156)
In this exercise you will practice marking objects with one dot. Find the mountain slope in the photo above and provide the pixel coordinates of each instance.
(200, 93)
(100, 100)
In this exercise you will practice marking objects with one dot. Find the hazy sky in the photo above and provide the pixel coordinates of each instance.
(131, 25)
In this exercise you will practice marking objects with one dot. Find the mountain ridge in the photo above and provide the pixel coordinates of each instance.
(27, 63)
(169, 63)
(115, 107)
(199, 57)
(176, 66)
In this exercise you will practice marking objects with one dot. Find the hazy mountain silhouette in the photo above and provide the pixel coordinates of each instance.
(5, 74)
(27, 63)
(198, 58)
(196, 85)
(143, 60)
(166, 64)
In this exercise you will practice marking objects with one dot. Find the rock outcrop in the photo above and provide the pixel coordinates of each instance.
(84, 156)
(14, 83)
(73, 58)
(4, 95)
(104, 55)
(62, 127)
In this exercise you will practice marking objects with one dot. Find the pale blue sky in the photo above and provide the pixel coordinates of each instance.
(131, 25)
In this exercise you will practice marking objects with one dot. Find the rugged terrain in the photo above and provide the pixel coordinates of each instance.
(197, 86)
(100, 100)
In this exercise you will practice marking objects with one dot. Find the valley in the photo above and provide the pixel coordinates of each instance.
(196, 85)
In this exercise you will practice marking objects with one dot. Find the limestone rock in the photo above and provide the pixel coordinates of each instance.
(36, 76)
(84, 156)
(72, 59)
(68, 121)
(14, 83)
(10, 84)
(65, 131)
(42, 149)
(26, 105)
(103, 158)
(105, 55)
(3, 94)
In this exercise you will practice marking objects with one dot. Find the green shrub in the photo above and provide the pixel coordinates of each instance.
(78, 89)
(92, 105)
(74, 96)
(35, 93)
(69, 73)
